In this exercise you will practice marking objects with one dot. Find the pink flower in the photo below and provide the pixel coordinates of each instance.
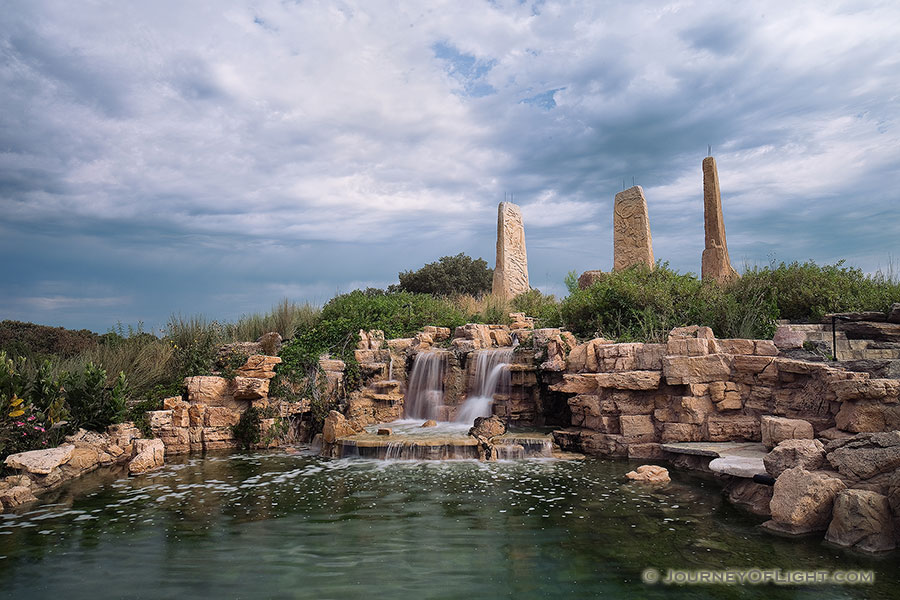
(31, 418)
(36, 428)
(20, 424)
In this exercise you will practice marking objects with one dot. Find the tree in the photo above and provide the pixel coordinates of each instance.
(450, 275)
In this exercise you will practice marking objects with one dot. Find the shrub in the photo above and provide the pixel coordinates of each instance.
(247, 432)
(640, 304)
(545, 309)
(807, 291)
(449, 276)
(93, 405)
(194, 343)
(23, 426)
(31, 340)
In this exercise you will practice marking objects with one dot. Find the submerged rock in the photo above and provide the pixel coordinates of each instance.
(649, 473)
(385, 431)
(430, 423)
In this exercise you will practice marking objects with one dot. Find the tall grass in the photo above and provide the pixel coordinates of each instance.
(487, 308)
(287, 318)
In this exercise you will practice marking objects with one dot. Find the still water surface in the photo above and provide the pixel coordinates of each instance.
(278, 525)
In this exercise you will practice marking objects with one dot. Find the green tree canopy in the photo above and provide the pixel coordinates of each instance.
(450, 275)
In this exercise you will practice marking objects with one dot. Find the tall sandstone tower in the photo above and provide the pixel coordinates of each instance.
(511, 272)
(716, 264)
(632, 244)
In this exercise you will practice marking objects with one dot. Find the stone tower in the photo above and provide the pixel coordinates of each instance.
(632, 244)
(716, 264)
(511, 272)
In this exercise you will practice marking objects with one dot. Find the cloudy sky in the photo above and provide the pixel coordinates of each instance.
(214, 157)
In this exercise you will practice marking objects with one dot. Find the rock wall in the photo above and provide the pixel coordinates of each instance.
(202, 418)
(40, 471)
(627, 399)
(869, 339)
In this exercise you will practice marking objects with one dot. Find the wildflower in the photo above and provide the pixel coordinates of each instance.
(31, 418)
(41, 429)
(20, 424)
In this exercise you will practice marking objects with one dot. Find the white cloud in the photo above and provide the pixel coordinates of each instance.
(212, 125)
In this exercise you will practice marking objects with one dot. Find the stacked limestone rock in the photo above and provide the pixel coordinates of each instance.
(214, 404)
(629, 398)
(44, 470)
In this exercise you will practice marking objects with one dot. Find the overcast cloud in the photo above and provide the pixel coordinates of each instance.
(160, 157)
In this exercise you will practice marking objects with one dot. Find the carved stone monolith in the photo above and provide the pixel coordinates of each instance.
(511, 272)
(716, 264)
(632, 244)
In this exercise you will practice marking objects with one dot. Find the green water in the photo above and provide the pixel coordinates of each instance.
(278, 525)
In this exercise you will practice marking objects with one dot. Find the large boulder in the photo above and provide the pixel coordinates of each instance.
(207, 389)
(487, 427)
(777, 429)
(809, 454)
(802, 501)
(865, 455)
(41, 462)
(681, 370)
(336, 426)
(862, 519)
(149, 455)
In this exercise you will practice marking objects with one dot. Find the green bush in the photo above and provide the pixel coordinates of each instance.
(194, 343)
(807, 291)
(545, 309)
(642, 304)
(23, 424)
(449, 276)
(93, 405)
(39, 341)
(248, 430)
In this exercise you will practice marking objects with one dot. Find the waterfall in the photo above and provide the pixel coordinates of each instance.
(391, 369)
(425, 392)
(491, 376)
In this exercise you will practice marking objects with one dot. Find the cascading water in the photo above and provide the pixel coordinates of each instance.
(491, 376)
(425, 392)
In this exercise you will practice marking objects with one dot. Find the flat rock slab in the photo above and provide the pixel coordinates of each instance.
(717, 449)
(41, 462)
(738, 466)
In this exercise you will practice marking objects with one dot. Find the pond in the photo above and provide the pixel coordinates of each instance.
(281, 525)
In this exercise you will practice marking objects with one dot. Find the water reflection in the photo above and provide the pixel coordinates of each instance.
(289, 526)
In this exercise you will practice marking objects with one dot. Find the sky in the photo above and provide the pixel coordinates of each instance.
(213, 158)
